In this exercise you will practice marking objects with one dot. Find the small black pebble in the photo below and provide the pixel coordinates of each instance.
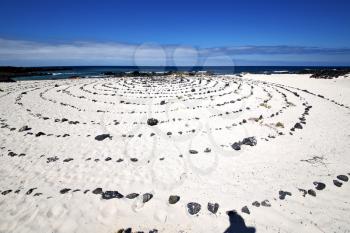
(97, 191)
(245, 210)
(173, 199)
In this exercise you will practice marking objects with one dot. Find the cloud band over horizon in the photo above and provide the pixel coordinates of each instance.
(30, 53)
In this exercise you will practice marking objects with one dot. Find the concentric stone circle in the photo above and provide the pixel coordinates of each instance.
(91, 133)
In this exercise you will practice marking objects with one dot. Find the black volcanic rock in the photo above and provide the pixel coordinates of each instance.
(337, 183)
(266, 203)
(132, 195)
(251, 141)
(39, 134)
(103, 137)
(111, 194)
(311, 192)
(193, 152)
(152, 122)
(319, 185)
(193, 208)
(298, 126)
(343, 178)
(146, 197)
(236, 146)
(6, 80)
(63, 191)
(245, 210)
(213, 207)
(173, 199)
(24, 128)
(97, 191)
(283, 194)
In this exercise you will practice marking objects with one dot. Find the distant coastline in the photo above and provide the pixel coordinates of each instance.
(8, 73)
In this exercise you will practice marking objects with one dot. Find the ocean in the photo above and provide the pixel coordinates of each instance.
(97, 71)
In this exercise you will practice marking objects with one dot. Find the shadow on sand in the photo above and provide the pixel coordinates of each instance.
(237, 224)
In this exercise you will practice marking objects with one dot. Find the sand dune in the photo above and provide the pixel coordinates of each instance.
(258, 153)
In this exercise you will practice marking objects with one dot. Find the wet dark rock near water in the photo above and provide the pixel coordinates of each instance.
(251, 141)
(152, 122)
(245, 210)
(283, 194)
(213, 207)
(326, 73)
(103, 137)
(97, 191)
(111, 194)
(146, 197)
(343, 178)
(337, 183)
(174, 199)
(319, 185)
(132, 195)
(193, 208)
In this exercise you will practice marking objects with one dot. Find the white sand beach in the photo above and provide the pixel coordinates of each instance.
(274, 148)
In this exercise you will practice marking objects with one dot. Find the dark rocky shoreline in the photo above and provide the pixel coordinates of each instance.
(7, 73)
(326, 73)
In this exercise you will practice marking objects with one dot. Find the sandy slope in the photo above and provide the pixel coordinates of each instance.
(198, 113)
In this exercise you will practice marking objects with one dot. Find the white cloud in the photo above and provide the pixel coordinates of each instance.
(28, 53)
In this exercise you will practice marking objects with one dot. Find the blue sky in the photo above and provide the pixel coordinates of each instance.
(251, 32)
